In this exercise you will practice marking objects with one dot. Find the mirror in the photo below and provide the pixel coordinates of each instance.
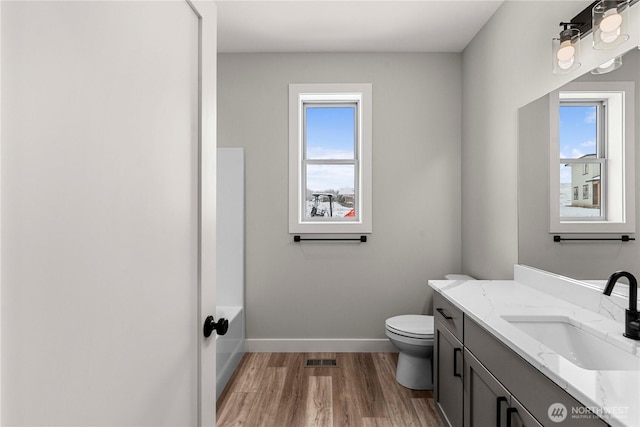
(588, 260)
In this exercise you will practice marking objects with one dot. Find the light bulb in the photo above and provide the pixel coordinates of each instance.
(611, 36)
(611, 21)
(566, 64)
(566, 52)
(607, 64)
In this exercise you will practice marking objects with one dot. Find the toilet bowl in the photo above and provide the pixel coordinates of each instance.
(412, 335)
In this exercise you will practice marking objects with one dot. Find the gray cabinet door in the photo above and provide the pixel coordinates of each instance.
(518, 416)
(485, 399)
(448, 375)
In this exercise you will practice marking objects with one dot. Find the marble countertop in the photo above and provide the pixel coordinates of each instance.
(613, 395)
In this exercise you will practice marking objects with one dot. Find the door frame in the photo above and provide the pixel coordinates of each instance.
(206, 12)
(0, 211)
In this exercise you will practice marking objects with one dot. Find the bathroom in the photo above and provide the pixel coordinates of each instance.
(435, 220)
(428, 240)
(445, 189)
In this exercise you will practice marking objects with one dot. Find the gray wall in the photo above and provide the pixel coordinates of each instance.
(581, 260)
(347, 290)
(505, 67)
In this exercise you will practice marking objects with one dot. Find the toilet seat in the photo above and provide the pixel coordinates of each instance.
(411, 326)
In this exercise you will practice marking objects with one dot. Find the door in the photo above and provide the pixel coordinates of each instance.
(448, 372)
(101, 215)
(486, 401)
(596, 194)
(518, 416)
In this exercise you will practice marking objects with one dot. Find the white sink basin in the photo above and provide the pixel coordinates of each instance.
(574, 344)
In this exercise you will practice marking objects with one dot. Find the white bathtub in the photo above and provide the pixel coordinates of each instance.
(230, 263)
(229, 347)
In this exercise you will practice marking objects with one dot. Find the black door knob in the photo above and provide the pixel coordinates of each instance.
(210, 325)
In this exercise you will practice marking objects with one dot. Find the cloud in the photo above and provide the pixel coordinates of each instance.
(574, 153)
(577, 152)
(328, 153)
(590, 117)
(589, 143)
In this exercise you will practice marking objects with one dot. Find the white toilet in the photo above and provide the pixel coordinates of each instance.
(412, 335)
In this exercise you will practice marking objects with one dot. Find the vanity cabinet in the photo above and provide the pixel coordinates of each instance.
(527, 386)
(448, 361)
(480, 382)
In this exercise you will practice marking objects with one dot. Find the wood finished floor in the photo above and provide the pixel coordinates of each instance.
(276, 390)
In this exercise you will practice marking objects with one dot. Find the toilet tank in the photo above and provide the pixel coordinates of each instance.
(458, 277)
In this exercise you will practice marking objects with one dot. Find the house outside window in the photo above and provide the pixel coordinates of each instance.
(330, 158)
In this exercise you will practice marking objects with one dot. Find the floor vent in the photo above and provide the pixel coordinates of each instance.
(321, 363)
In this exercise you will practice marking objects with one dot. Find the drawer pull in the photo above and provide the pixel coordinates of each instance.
(441, 311)
(510, 412)
(499, 401)
(455, 362)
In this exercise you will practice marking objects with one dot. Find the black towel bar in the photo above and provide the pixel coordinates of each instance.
(624, 238)
(361, 239)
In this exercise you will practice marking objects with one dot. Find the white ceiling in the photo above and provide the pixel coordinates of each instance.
(350, 25)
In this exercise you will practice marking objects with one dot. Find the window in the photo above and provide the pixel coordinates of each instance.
(583, 142)
(330, 158)
(592, 142)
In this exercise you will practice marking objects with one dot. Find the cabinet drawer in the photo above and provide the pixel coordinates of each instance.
(529, 386)
(448, 314)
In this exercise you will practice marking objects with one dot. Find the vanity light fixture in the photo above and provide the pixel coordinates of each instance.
(609, 66)
(566, 49)
(609, 23)
(607, 19)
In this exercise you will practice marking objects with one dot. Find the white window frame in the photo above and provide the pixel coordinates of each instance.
(602, 137)
(334, 93)
(618, 171)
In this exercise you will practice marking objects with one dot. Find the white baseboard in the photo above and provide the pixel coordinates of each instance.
(319, 346)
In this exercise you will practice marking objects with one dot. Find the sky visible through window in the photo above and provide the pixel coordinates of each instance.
(578, 134)
(330, 135)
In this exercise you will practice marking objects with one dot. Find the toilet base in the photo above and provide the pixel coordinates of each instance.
(415, 373)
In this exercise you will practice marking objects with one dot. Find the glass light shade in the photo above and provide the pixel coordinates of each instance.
(608, 66)
(566, 51)
(610, 22)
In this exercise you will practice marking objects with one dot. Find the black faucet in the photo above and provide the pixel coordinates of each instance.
(632, 317)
